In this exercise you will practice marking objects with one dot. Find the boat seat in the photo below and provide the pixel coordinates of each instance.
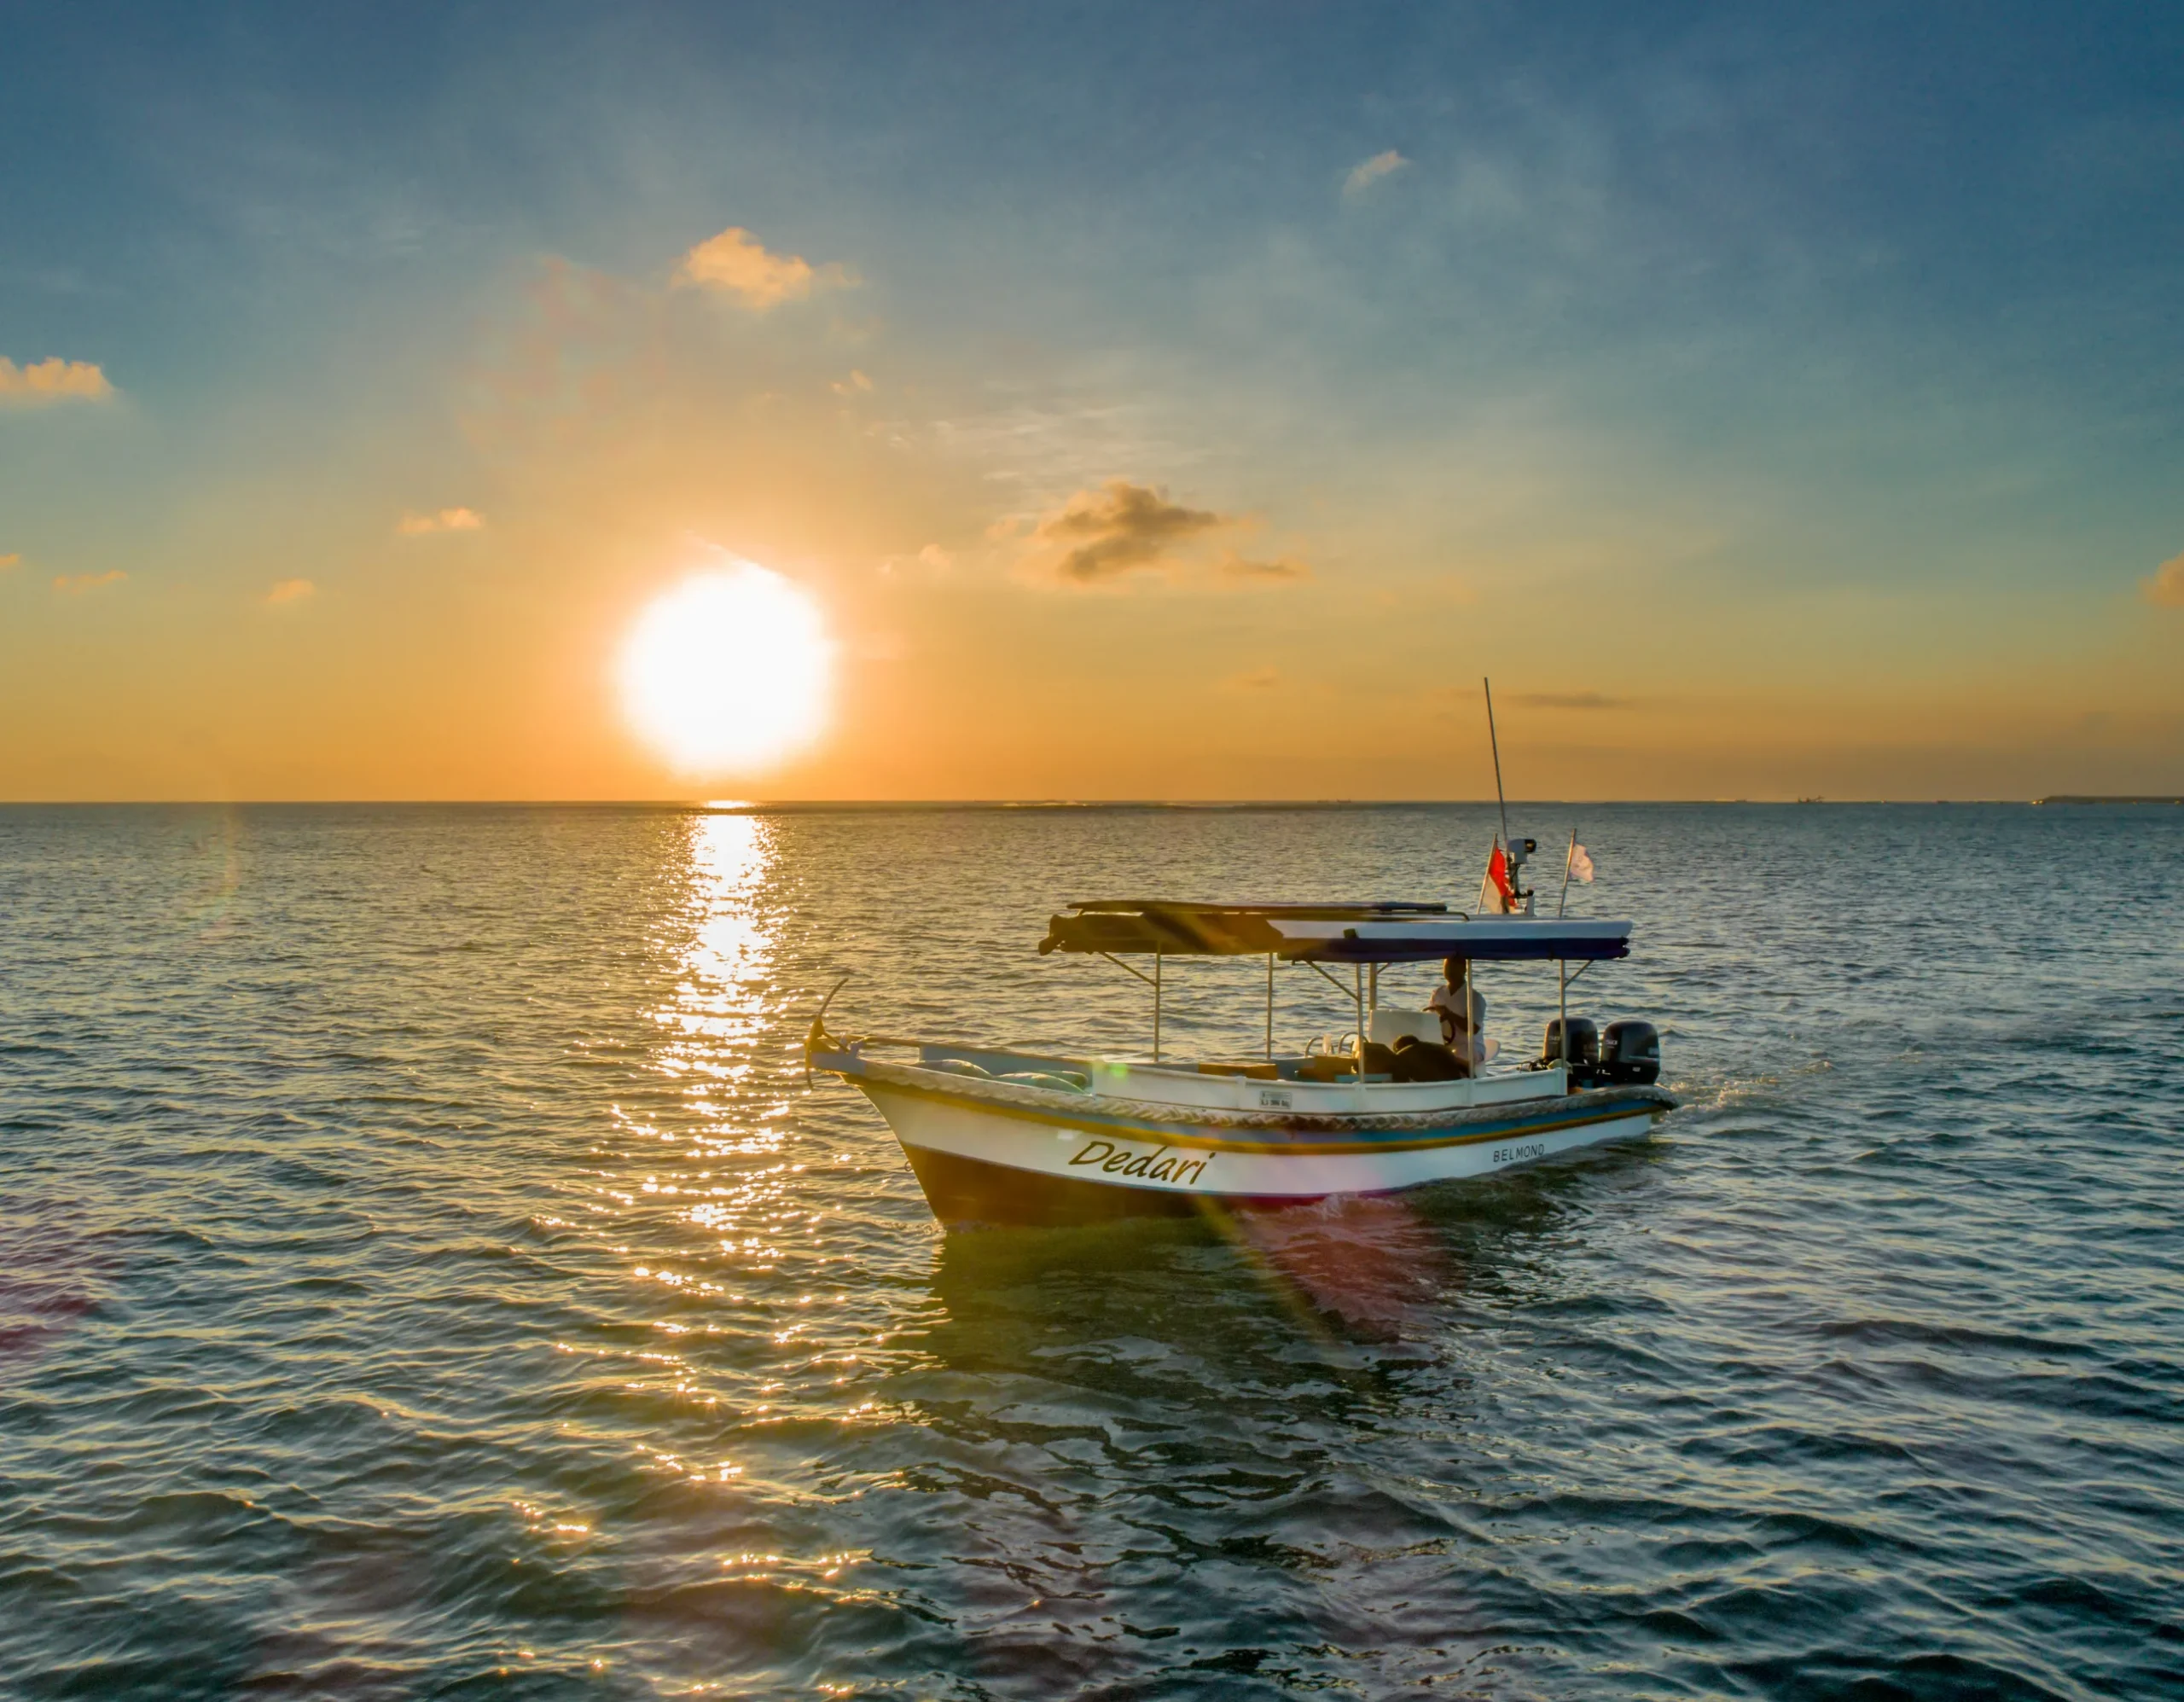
(1387, 1027)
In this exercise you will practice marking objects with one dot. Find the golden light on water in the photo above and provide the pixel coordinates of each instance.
(730, 672)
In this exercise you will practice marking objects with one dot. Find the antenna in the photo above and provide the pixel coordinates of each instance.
(1496, 743)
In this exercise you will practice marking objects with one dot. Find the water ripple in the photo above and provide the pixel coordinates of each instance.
(423, 1271)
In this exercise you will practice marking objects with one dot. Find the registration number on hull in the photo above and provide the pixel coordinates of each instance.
(1520, 1153)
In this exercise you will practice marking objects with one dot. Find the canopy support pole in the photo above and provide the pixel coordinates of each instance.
(1126, 968)
(1156, 1007)
(1472, 1062)
(1357, 991)
(1562, 996)
(1323, 975)
(1269, 1007)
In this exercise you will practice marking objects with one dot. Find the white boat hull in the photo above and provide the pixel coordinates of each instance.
(990, 1155)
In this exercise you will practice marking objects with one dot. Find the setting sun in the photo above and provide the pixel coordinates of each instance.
(728, 672)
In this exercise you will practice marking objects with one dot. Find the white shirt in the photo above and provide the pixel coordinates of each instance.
(1455, 1025)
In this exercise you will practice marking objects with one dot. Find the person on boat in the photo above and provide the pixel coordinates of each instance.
(1462, 1011)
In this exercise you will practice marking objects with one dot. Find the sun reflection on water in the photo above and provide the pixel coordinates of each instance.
(730, 1333)
(720, 1005)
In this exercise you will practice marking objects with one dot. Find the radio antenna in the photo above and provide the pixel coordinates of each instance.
(1496, 745)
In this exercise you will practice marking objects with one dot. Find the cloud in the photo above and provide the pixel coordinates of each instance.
(1103, 536)
(447, 519)
(738, 262)
(932, 559)
(81, 582)
(2165, 589)
(1106, 533)
(47, 381)
(1234, 567)
(1361, 177)
(1569, 700)
(289, 591)
(1258, 679)
(8, 561)
(852, 384)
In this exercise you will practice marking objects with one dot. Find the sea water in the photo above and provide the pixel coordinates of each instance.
(424, 1270)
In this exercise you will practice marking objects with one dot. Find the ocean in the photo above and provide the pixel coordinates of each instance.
(425, 1272)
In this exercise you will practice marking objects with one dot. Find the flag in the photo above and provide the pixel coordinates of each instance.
(1580, 865)
(1503, 901)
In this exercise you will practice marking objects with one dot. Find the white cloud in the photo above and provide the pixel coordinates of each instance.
(47, 381)
(1362, 177)
(740, 265)
(289, 591)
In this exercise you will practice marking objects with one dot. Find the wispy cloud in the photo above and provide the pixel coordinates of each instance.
(1236, 567)
(1569, 700)
(47, 381)
(76, 584)
(739, 265)
(933, 561)
(1257, 679)
(1364, 175)
(2165, 587)
(289, 591)
(12, 560)
(447, 519)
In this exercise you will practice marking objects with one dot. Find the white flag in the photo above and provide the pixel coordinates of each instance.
(1580, 865)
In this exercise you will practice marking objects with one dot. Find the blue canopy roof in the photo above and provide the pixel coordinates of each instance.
(1393, 931)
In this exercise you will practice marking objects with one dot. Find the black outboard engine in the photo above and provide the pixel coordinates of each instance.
(1582, 1062)
(1584, 1042)
(1630, 1055)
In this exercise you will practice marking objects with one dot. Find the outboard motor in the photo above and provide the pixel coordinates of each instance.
(1630, 1055)
(1584, 1042)
(1581, 1066)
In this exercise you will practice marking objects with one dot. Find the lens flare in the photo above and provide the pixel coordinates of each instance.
(728, 672)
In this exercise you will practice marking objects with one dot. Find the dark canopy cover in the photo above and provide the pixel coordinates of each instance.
(1380, 932)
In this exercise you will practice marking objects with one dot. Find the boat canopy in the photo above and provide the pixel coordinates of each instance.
(1379, 933)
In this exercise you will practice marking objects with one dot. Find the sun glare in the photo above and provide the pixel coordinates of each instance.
(728, 672)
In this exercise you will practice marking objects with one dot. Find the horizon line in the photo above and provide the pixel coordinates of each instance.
(875, 806)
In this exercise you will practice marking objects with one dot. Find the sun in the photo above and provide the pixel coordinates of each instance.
(730, 672)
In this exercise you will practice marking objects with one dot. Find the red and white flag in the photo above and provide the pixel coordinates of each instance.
(1580, 865)
(1496, 896)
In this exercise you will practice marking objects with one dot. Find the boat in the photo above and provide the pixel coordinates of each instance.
(1002, 1136)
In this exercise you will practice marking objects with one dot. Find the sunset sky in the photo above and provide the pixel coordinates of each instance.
(1157, 402)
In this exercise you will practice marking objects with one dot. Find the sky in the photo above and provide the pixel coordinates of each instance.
(1156, 401)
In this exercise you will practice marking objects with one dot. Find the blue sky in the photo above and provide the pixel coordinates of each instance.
(1828, 359)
